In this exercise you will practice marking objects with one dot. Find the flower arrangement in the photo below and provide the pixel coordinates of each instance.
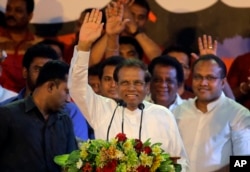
(119, 155)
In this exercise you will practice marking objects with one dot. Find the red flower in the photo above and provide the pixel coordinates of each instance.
(147, 150)
(138, 145)
(142, 169)
(109, 167)
(121, 137)
(87, 167)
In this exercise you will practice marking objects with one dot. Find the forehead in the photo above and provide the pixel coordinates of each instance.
(137, 9)
(40, 61)
(108, 70)
(164, 70)
(126, 47)
(19, 3)
(207, 67)
(131, 73)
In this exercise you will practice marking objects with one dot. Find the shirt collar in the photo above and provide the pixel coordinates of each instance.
(213, 104)
(30, 104)
(177, 102)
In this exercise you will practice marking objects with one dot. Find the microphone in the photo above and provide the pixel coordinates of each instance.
(119, 103)
(141, 106)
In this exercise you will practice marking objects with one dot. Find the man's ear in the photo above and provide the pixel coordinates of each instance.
(25, 73)
(50, 85)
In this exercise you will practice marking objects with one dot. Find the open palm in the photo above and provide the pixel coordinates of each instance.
(114, 14)
(92, 27)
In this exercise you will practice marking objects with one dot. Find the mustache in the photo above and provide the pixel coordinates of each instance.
(10, 18)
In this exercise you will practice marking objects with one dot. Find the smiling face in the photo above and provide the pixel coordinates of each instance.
(164, 85)
(207, 83)
(131, 86)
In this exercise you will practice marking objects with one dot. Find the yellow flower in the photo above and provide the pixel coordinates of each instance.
(84, 149)
(156, 163)
(146, 160)
(156, 150)
(128, 145)
(84, 154)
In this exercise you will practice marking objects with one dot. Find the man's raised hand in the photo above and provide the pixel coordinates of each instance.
(115, 22)
(91, 29)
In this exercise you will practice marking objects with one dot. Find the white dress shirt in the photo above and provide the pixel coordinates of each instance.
(158, 123)
(210, 138)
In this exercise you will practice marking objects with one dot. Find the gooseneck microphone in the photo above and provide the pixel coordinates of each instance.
(119, 103)
(141, 107)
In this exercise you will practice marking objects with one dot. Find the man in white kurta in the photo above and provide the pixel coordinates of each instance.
(158, 123)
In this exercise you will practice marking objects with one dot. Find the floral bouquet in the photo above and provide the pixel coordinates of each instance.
(119, 155)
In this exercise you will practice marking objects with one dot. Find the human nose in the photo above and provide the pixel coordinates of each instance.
(164, 84)
(203, 81)
(131, 85)
(113, 83)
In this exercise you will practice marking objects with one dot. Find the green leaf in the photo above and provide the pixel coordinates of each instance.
(147, 143)
(73, 157)
(61, 159)
(177, 167)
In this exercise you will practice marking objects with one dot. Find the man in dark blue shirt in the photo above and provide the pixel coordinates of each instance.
(34, 58)
(35, 129)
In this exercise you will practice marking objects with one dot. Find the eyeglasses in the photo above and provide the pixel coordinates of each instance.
(136, 83)
(208, 78)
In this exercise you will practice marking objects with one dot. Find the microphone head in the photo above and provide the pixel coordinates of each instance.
(121, 103)
(141, 106)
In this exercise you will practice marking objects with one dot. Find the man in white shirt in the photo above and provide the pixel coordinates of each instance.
(167, 76)
(212, 126)
(139, 119)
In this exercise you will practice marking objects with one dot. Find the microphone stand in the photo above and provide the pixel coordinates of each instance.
(141, 107)
(124, 105)
(119, 103)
